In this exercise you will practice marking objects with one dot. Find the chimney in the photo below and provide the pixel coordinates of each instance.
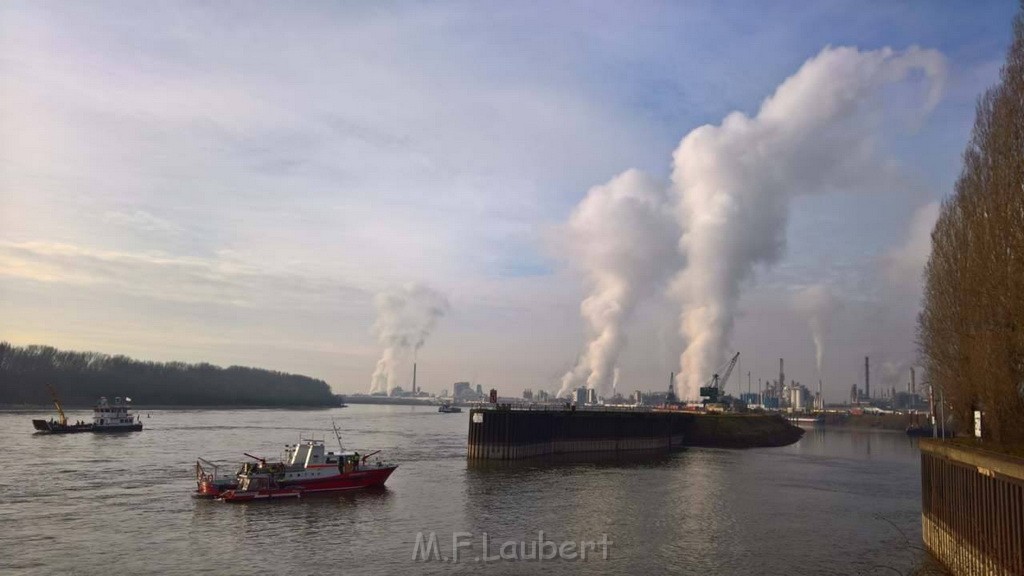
(913, 382)
(413, 378)
(782, 375)
(867, 378)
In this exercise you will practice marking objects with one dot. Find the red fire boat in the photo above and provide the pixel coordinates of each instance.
(305, 468)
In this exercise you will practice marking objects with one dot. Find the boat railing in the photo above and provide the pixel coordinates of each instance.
(207, 471)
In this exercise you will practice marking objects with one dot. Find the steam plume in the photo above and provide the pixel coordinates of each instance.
(818, 303)
(622, 235)
(734, 181)
(405, 317)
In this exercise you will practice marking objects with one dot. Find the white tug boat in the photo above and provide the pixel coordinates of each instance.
(106, 417)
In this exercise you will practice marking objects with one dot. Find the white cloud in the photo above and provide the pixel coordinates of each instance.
(904, 264)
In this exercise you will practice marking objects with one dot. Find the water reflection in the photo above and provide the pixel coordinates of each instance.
(822, 505)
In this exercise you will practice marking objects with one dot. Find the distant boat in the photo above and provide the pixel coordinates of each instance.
(106, 417)
(447, 408)
(807, 420)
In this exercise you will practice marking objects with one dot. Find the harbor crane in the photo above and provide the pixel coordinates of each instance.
(713, 388)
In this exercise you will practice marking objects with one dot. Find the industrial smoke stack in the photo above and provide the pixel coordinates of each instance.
(913, 382)
(867, 378)
(413, 378)
(782, 375)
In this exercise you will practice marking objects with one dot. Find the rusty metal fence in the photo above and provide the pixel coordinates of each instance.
(972, 509)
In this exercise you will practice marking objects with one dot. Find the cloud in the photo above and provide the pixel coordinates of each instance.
(903, 265)
(142, 221)
(163, 277)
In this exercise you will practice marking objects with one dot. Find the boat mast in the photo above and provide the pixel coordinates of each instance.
(337, 434)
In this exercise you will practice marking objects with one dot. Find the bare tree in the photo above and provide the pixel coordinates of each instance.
(971, 328)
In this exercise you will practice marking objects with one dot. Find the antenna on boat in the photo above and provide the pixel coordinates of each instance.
(337, 434)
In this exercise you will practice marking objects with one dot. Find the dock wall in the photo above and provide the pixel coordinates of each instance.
(516, 434)
(512, 434)
(972, 509)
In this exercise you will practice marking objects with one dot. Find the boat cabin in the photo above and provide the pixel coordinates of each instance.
(310, 458)
(112, 413)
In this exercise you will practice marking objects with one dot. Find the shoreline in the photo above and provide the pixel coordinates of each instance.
(138, 407)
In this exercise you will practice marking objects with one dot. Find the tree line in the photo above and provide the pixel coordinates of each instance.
(80, 378)
(971, 328)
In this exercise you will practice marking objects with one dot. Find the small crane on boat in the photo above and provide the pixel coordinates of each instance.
(56, 402)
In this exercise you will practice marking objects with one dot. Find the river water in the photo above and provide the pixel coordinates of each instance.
(837, 502)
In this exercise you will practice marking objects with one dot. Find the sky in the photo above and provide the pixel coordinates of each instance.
(243, 183)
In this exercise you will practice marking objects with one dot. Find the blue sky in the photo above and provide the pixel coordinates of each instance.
(233, 182)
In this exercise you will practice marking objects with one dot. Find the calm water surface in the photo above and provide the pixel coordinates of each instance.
(837, 502)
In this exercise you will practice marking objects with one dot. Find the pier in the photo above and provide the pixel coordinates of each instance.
(509, 433)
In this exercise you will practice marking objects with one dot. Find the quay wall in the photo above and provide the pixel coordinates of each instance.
(972, 508)
(511, 434)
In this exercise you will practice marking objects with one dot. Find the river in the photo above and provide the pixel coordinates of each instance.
(837, 502)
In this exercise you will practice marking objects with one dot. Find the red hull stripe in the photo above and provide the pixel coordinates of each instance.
(373, 477)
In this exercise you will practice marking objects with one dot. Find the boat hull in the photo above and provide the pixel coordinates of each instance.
(348, 481)
(369, 478)
(213, 489)
(233, 496)
(51, 427)
(137, 427)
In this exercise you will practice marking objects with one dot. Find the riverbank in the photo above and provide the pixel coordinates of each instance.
(26, 408)
(875, 421)
(740, 431)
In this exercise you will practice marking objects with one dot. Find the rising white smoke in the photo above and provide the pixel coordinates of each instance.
(622, 236)
(818, 303)
(405, 317)
(734, 181)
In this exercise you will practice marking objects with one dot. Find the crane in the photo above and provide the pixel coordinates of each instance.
(713, 388)
(720, 384)
(56, 402)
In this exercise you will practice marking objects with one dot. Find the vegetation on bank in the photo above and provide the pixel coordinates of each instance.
(971, 328)
(82, 377)
(740, 431)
